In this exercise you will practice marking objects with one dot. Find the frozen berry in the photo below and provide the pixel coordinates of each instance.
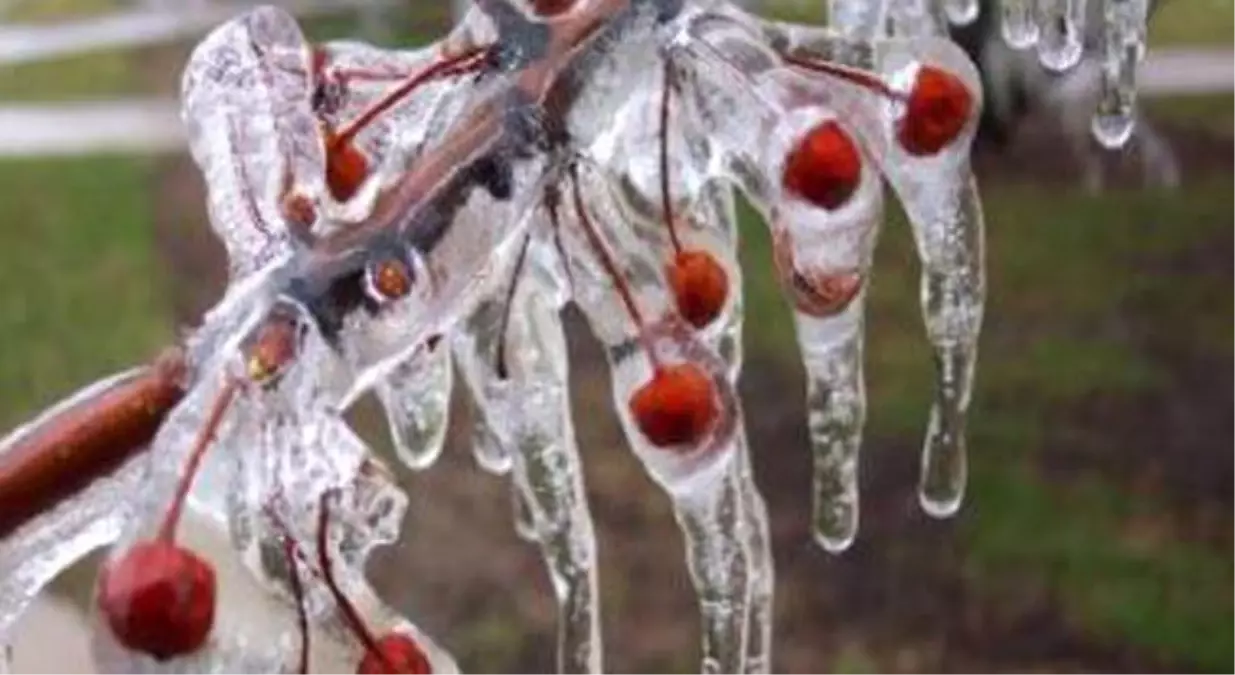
(814, 292)
(700, 286)
(346, 167)
(937, 109)
(824, 168)
(678, 405)
(158, 599)
(398, 652)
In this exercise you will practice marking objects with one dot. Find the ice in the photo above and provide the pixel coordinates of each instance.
(1124, 47)
(34, 553)
(1063, 28)
(416, 397)
(939, 196)
(1020, 23)
(961, 12)
(246, 107)
(476, 220)
(513, 354)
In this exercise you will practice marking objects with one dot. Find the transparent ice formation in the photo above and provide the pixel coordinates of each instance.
(392, 217)
(1113, 32)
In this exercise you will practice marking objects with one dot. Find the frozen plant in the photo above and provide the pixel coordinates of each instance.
(389, 215)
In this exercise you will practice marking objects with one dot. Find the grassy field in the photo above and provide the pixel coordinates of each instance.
(1101, 429)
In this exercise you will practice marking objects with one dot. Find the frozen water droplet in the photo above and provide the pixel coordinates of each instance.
(1060, 46)
(1020, 26)
(961, 12)
(1114, 130)
(416, 396)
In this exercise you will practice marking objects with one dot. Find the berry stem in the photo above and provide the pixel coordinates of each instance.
(606, 261)
(242, 177)
(854, 75)
(302, 617)
(465, 62)
(167, 532)
(666, 201)
(350, 615)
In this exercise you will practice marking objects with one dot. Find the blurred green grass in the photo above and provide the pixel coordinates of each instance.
(1194, 23)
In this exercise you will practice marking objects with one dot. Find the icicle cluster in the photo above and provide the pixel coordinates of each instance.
(1057, 29)
(391, 216)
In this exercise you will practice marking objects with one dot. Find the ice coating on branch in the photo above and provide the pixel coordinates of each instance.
(35, 553)
(246, 105)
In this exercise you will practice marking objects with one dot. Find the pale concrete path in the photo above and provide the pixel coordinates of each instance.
(153, 125)
(140, 26)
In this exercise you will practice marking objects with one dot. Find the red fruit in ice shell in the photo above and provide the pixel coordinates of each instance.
(700, 286)
(399, 652)
(158, 599)
(937, 109)
(677, 406)
(346, 167)
(819, 293)
(824, 168)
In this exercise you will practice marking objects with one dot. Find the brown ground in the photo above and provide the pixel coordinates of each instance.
(471, 582)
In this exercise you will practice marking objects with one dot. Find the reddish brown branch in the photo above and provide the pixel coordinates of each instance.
(86, 442)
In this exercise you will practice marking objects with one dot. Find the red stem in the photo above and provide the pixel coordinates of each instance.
(302, 617)
(606, 261)
(452, 66)
(856, 76)
(349, 611)
(167, 532)
(242, 176)
(666, 201)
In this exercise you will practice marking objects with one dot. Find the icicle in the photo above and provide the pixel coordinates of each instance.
(1123, 51)
(1063, 28)
(1019, 25)
(824, 244)
(713, 528)
(416, 396)
(514, 358)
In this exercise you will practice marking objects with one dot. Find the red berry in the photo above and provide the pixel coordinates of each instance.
(700, 286)
(938, 107)
(551, 7)
(398, 651)
(158, 599)
(824, 168)
(678, 405)
(346, 167)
